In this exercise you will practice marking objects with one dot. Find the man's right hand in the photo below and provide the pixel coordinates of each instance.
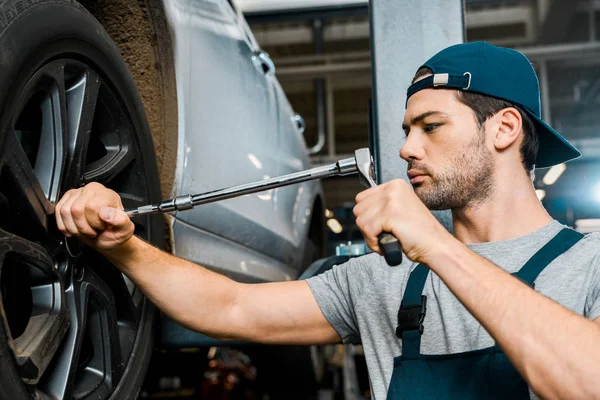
(95, 214)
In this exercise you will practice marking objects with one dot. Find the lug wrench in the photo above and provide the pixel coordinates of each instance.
(362, 163)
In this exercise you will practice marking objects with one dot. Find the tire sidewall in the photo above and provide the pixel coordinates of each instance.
(31, 34)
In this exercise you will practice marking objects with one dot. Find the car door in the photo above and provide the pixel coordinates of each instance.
(294, 204)
(231, 128)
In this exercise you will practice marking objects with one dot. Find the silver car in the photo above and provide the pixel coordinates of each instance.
(152, 99)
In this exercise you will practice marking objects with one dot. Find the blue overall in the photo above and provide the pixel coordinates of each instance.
(479, 374)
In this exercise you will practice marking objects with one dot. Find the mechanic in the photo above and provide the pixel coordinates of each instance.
(512, 304)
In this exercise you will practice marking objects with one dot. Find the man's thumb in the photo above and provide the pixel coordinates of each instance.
(107, 214)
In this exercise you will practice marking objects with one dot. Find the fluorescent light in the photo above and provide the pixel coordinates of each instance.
(596, 192)
(334, 225)
(541, 193)
(254, 161)
(554, 173)
(328, 213)
(587, 225)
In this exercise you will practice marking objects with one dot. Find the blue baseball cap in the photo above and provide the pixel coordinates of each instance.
(506, 74)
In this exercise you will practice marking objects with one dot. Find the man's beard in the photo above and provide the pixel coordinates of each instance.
(467, 183)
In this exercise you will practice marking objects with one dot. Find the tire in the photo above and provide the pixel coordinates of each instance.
(71, 325)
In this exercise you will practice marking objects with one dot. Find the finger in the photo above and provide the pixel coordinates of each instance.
(79, 214)
(372, 216)
(118, 222)
(368, 205)
(371, 230)
(369, 192)
(59, 221)
(370, 225)
(65, 212)
(92, 213)
(367, 201)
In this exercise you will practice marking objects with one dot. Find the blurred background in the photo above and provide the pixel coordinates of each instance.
(322, 53)
(321, 49)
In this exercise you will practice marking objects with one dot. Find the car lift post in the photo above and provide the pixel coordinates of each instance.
(404, 34)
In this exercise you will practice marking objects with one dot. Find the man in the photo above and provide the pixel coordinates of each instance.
(468, 329)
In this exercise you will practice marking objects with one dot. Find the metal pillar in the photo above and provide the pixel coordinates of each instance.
(319, 90)
(404, 34)
(330, 117)
(545, 92)
(592, 21)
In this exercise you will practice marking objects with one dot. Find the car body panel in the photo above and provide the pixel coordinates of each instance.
(235, 127)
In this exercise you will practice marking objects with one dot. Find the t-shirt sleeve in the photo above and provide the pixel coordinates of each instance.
(336, 292)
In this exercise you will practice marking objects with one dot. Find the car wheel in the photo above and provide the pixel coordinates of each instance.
(71, 325)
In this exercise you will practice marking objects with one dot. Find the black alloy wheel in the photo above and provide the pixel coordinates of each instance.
(71, 325)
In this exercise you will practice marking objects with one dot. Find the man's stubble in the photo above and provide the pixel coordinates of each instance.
(468, 181)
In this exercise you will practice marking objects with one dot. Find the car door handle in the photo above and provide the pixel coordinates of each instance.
(263, 62)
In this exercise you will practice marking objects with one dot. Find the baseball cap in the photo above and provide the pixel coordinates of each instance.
(503, 73)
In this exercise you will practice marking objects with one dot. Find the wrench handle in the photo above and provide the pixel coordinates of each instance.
(391, 248)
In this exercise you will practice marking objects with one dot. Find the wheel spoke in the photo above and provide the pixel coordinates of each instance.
(90, 361)
(110, 166)
(36, 346)
(111, 149)
(56, 382)
(81, 95)
(34, 305)
(126, 295)
(51, 156)
(24, 192)
(41, 126)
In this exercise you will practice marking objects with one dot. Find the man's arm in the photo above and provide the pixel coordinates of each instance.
(204, 301)
(556, 351)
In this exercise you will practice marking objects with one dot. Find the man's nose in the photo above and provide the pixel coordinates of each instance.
(412, 149)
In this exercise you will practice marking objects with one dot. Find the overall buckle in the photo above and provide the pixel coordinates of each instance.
(411, 318)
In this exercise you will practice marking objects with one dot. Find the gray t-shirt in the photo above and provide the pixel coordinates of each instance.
(360, 299)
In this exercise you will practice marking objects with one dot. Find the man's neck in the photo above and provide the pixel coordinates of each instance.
(508, 213)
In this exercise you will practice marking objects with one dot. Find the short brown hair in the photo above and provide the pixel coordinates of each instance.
(485, 107)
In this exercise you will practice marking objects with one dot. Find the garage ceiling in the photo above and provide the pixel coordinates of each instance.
(256, 6)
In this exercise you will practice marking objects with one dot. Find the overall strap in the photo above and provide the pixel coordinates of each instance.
(559, 244)
(412, 312)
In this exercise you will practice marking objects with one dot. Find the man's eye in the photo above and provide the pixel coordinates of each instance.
(431, 127)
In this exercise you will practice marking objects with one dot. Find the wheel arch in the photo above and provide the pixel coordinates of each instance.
(140, 31)
(148, 53)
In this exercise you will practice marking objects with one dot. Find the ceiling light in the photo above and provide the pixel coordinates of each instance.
(541, 193)
(554, 173)
(328, 213)
(334, 225)
(587, 225)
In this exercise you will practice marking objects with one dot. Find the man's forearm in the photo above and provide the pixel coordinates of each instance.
(191, 295)
(554, 349)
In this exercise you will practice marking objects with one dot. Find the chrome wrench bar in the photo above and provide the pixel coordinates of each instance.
(342, 167)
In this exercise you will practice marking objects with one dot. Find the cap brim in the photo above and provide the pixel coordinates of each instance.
(554, 149)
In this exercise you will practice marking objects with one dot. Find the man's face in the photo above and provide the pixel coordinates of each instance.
(449, 165)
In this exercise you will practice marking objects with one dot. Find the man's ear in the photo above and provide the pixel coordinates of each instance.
(507, 123)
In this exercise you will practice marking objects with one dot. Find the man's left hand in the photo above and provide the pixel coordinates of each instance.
(394, 207)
